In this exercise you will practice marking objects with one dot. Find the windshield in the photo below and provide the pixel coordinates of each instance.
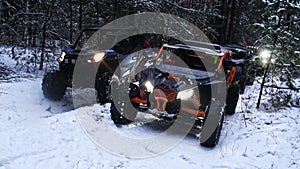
(82, 39)
(96, 41)
(182, 58)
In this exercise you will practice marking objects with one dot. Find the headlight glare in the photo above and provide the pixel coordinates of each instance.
(185, 94)
(149, 86)
(98, 56)
(62, 57)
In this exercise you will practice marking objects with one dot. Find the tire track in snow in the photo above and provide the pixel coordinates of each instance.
(9, 159)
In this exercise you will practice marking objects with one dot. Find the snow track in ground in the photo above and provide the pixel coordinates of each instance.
(38, 133)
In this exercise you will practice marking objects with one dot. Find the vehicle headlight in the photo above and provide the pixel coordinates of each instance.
(62, 57)
(185, 94)
(98, 56)
(149, 86)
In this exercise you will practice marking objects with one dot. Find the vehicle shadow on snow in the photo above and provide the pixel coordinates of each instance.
(73, 99)
(58, 107)
(145, 123)
(155, 126)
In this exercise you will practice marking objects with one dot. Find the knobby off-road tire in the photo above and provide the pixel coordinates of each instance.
(124, 115)
(232, 99)
(121, 110)
(103, 88)
(251, 77)
(211, 129)
(242, 84)
(54, 85)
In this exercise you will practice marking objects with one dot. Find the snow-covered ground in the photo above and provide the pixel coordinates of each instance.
(38, 133)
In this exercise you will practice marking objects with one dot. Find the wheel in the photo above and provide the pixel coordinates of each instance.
(124, 113)
(242, 84)
(211, 129)
(173, 107)
(122, 110)
(103, 88)
(251, 78)
(232, 99)
(54, 85)
(250, 82)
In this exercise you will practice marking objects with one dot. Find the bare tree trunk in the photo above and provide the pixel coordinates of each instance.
(71, 22)
(228, 21)
(116, 9)
(44, 28)
(233, 18)
(80, 16)
(278, 25)
(26, 24)
(225, 9)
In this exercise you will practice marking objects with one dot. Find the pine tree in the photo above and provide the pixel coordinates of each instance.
(279, 28)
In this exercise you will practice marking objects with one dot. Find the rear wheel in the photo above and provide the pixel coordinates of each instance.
(242, 84)
(211, 129)
(251, 77)
(54, 85)
(232, 99)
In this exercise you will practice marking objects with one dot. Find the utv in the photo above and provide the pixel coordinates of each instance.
(243, 58)
(177, 78)
(55, 82)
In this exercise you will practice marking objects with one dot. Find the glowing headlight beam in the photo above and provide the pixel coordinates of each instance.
(99, 56)
(61, 57)
(149, 86)
(185, 94)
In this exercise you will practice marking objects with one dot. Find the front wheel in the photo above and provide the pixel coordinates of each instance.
(211, 129)
(122, 110)
(54, 85)
(103, 88)
(122, 113)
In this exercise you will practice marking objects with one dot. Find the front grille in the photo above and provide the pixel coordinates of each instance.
(70, 61)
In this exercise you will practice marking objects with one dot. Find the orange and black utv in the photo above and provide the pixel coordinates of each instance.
(177, 81)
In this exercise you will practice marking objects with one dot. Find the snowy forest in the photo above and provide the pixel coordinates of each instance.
(50, 25)
(36, 31)
(39, 132)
